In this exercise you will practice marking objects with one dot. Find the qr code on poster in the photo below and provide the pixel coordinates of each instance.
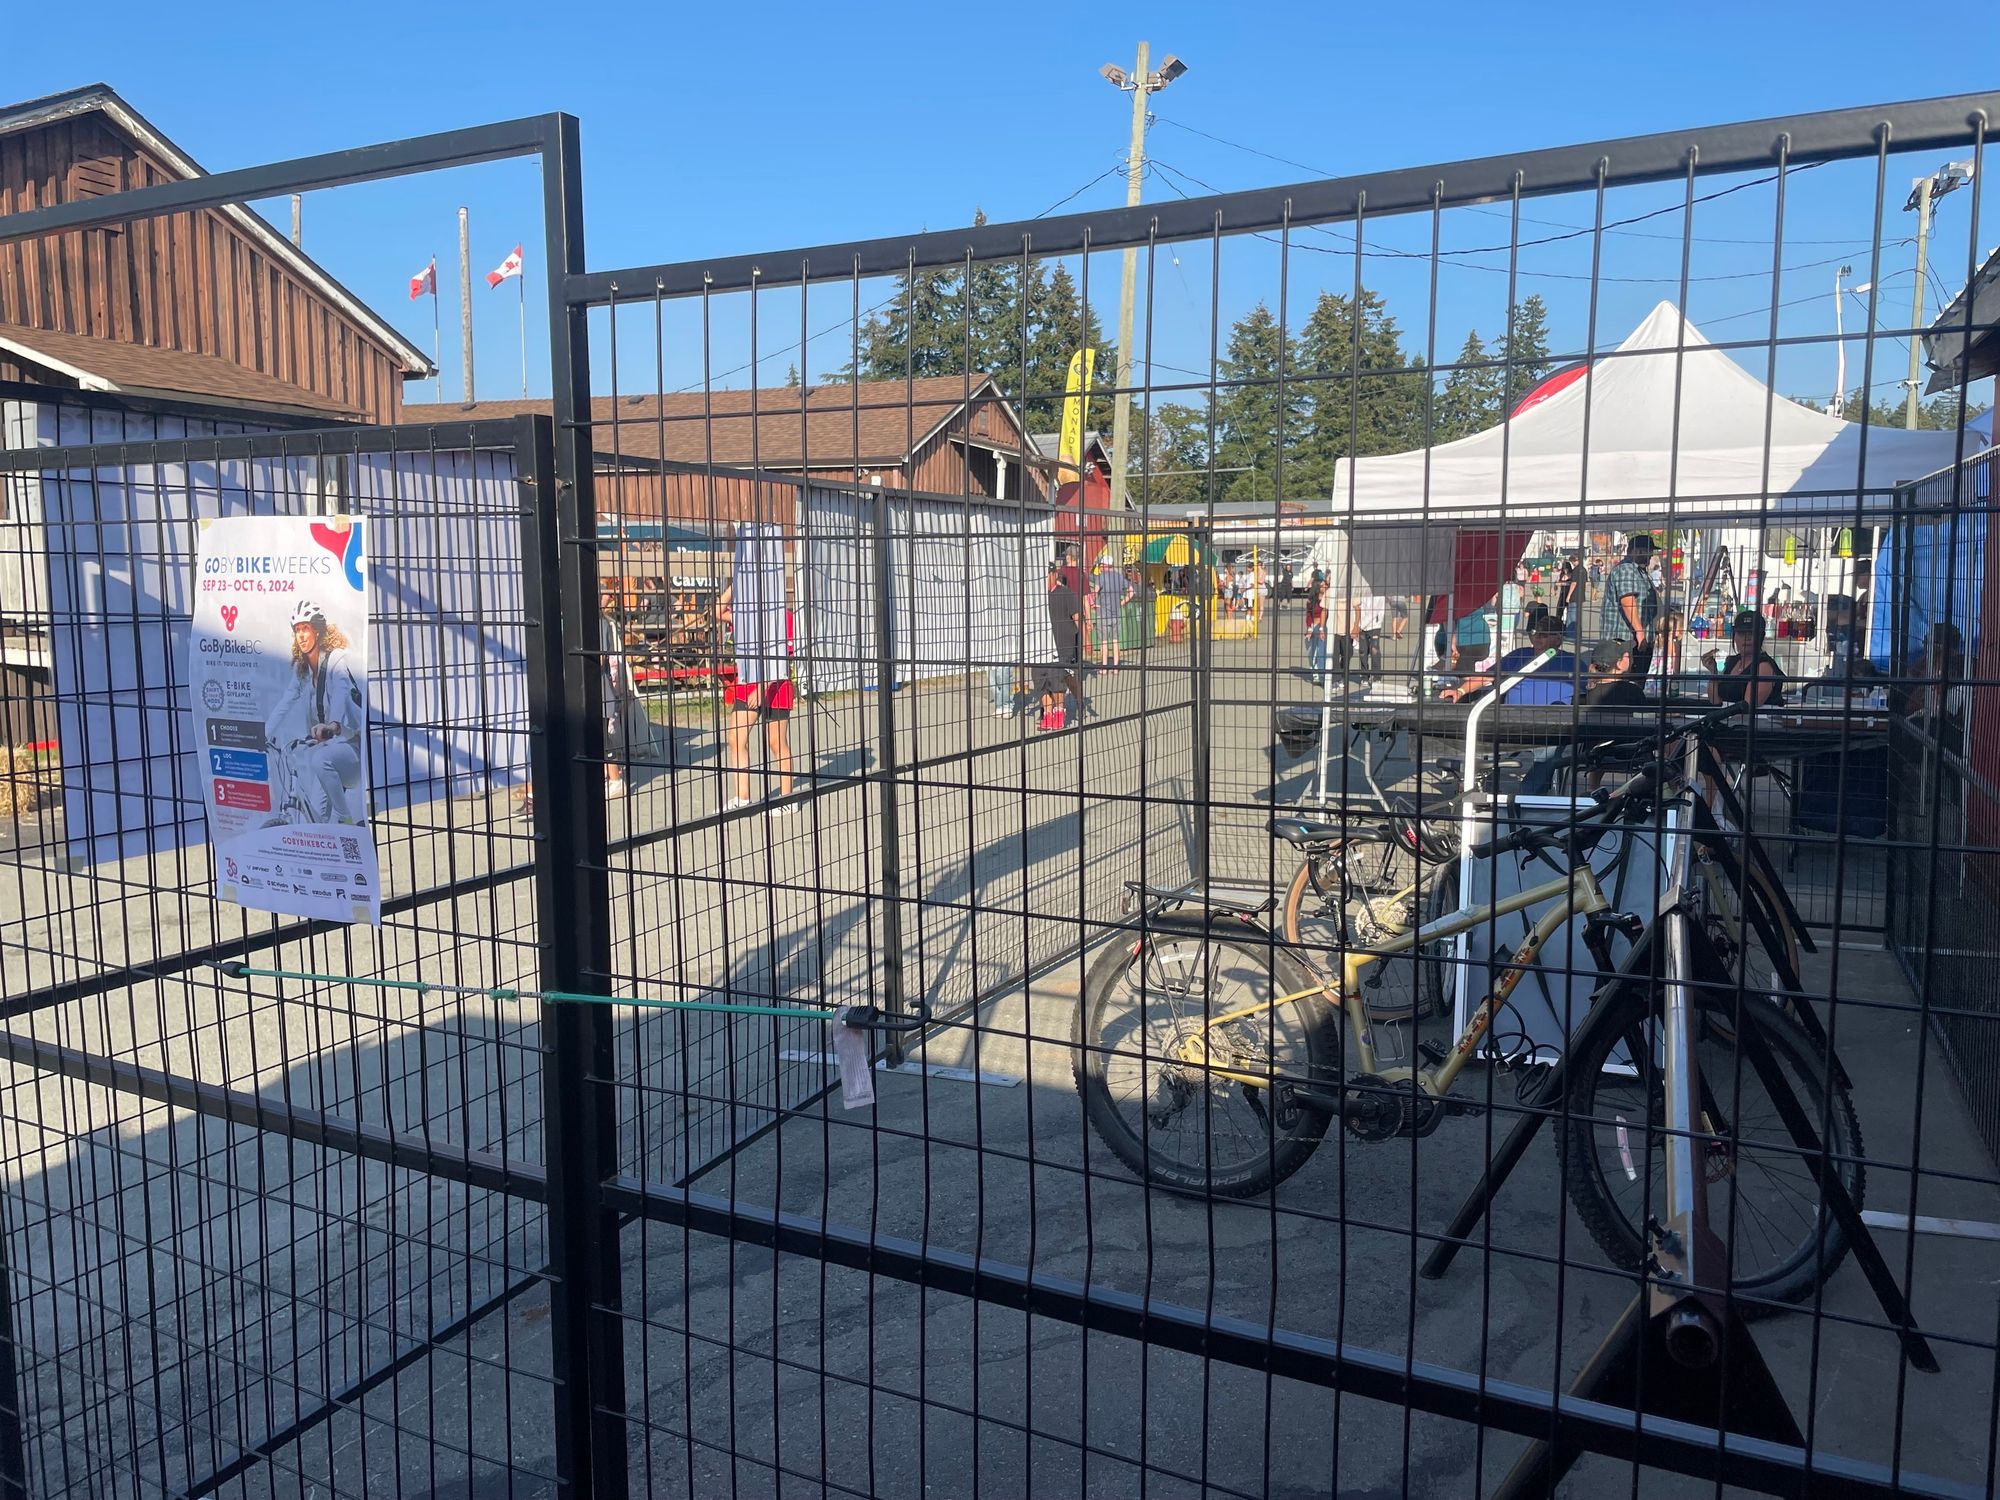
(350, 848)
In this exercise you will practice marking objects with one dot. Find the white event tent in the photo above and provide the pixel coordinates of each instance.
(1666, 430)
(1665, 426)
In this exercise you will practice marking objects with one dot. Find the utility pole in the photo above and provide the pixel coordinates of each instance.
(1142, 85)
(1924, 193)
(1917, 298)
(298, 219)
(465, 298)
(1838, 405)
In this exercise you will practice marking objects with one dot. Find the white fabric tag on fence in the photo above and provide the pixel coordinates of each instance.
(850, 1051)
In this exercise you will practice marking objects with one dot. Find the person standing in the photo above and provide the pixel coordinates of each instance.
(1632, 603)
(1057, 681)
(1112, 590)
(619, 691)
(753, 607)
(1569, 591)
(1316, 632)
(1369, 616)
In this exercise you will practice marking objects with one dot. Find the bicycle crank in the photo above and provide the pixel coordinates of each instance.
(1375, 1109)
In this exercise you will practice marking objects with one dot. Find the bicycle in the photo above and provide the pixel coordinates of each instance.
(1355, 888)
(290, 803)
(1381, 870)
(1235, 1042)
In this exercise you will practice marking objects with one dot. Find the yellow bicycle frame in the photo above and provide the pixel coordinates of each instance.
(1576, 894)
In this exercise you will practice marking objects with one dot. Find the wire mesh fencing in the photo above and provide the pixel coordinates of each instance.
(226, 1247)
(1412, 927)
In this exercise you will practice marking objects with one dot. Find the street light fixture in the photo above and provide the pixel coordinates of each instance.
(1952, 175)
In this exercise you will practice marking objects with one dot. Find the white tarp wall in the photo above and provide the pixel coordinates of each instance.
(967, 586)
(447, 698)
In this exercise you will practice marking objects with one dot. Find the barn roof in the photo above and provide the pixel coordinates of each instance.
(141, 370)
(102, 99)
(842, 426)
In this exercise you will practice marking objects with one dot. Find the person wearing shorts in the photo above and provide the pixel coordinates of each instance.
(773, 703)
(1109, 591)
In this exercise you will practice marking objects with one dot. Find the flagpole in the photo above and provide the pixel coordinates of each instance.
(437, 347)
(523, 279)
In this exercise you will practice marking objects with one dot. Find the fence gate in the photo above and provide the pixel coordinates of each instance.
(891, 1053)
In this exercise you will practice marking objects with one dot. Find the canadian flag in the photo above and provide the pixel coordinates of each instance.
(425, 280)
(511, 266)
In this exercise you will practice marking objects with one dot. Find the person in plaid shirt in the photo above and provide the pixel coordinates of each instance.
(1632, 603)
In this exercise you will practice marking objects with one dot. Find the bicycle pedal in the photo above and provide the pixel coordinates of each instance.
(1432, 1053)
(1463, 1107)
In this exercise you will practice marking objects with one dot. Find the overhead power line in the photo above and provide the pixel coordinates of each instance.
(1618, 227)
(1452, 257)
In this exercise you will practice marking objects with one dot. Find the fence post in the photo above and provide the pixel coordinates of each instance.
(13, 1451)
(572, 887)
(1201, 663)
(893, 1001)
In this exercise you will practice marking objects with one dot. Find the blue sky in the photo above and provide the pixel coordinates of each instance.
(715, 130)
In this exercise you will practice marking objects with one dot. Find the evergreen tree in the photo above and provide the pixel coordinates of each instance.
(1469, 400)
(791, 377)
(1526, 347)
(991, 318)
(1939, 414)
(1173, 444)
(1373, 406)
(1249, 425)
(920, 332)
(1059, 325)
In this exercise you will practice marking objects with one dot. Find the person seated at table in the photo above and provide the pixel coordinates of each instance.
(1848, 669)
(1932, 676)
(1612, 684)
(1554, 681)
(1751, 674)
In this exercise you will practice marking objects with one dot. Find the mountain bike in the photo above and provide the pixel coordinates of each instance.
(1212, 1058)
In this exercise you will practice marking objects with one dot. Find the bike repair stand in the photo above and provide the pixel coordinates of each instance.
(1683, 1345)
(1682, 1350)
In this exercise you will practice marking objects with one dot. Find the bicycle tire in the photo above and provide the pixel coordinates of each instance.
(1266, 1144)
(1319, 917)
(1614, 1211)
(1435, 969)
(1743, 944)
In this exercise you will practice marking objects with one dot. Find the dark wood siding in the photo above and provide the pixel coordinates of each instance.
(193, 282)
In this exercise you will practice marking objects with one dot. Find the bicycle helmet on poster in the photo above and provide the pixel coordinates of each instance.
(305, 612)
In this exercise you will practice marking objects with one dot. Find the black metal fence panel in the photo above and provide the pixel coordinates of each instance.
(255, 1223)
(968, 921)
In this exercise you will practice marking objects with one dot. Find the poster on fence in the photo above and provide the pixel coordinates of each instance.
(279, 681)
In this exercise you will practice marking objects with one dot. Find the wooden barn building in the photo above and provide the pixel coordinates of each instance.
(680, 458)
(183, 325)
(214, 308)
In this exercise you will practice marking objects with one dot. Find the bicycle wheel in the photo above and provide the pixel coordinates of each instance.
(1435, 969)
(1355, 894)
(1764, 1196)
(1765, 961)
(1189, 1124)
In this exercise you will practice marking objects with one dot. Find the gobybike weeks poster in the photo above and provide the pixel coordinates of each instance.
(280, 693)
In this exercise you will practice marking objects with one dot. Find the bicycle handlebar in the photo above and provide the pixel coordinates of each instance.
(1641, 783)
(1539, 835)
